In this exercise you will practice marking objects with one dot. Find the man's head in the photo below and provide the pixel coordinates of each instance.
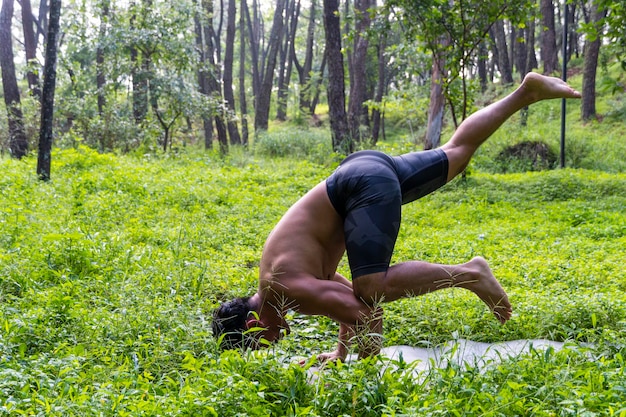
(236, 320)
(230, 320)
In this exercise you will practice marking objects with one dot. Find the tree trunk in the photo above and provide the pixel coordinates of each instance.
(255, 46)
(30, 49)
(435, 110)
(306, 89)
(504, 63)
(243, 106)
(212, 73)
(100, 77)
(521, 53)
(285, 67)
(227, 76)
(482, 65)
(47, 98)
(18, 143)
(336, 84)
(377, 113)
(203, 77)
(139, 76)
(548, 38)
(590, 64)
(531, 58)
(357, 112)
(262, 111)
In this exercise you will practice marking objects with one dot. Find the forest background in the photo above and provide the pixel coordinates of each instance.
(153, 213)
(147, 74)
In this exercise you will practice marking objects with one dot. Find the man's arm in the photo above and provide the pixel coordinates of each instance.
(367, 332)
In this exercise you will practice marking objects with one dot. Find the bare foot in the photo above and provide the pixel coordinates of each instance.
(539, 87)
(488, 289)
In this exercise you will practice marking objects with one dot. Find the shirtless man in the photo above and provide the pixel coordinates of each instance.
(357, 210)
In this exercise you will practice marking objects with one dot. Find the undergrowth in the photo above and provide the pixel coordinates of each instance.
(109, 274)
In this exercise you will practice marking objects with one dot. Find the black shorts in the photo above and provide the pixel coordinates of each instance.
(368, 189)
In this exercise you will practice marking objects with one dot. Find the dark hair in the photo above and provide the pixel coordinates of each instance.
(229, 320)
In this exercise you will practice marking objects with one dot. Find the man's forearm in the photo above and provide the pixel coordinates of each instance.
(369, 334)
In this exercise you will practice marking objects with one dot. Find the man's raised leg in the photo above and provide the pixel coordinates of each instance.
(477, 128)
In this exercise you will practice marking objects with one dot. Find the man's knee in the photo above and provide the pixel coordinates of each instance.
(370, 288)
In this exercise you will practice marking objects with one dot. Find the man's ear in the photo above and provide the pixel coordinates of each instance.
(253, 322)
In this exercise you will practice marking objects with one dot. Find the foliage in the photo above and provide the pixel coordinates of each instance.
(452, 32)
(109, 274)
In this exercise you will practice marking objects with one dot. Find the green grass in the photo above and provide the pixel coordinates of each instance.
(109, 274)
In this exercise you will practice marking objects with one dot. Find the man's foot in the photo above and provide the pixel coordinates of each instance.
(539, 87)
(488, 289)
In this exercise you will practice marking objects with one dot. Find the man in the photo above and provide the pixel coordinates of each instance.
(357, 210)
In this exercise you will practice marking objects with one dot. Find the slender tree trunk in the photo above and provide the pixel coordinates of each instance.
(243, 106)
(315, 86)
(213, 76)
(336, 84)
(590, 64)
(30, 49)
(504, 63)
(521, 53)
(139, 75)
(357, 112)
(47, 99)
(227, 76)
(531, 59)
(381, 84)
(261, 117)
(548, 38)
(100, 76)
(482, 65)
(435, 111)
(304, 72)
(18, 143)
(203, 77)
(255, 45)
(285, 65)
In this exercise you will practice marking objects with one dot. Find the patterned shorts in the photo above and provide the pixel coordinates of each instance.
(368, 189)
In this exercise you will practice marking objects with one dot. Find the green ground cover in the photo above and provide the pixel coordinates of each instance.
(109, 274)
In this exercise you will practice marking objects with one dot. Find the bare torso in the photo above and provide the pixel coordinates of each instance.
(307, 243)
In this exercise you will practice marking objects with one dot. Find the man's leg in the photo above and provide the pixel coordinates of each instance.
(414, 278)
(479, 126)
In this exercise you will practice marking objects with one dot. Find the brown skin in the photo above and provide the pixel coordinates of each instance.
(298, 268)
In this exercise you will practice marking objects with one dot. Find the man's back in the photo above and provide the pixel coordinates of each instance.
(308, 241)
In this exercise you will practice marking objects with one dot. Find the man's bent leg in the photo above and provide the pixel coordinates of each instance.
(477, 128)
(414, 278)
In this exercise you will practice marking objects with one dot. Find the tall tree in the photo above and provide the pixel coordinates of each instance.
(549, 50)
(30, 49)
(100, 64)
(304, 70)
(140, 57)
(47, 97)
(255, 47)
(18, 143)
(227, 74)
(504, 63)
(212, 72)
(594, 30)
(357, 112)
(243, 106)
(203, 72)
(286, 58)
(381, 85)
(261, 116)
(336, 83)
